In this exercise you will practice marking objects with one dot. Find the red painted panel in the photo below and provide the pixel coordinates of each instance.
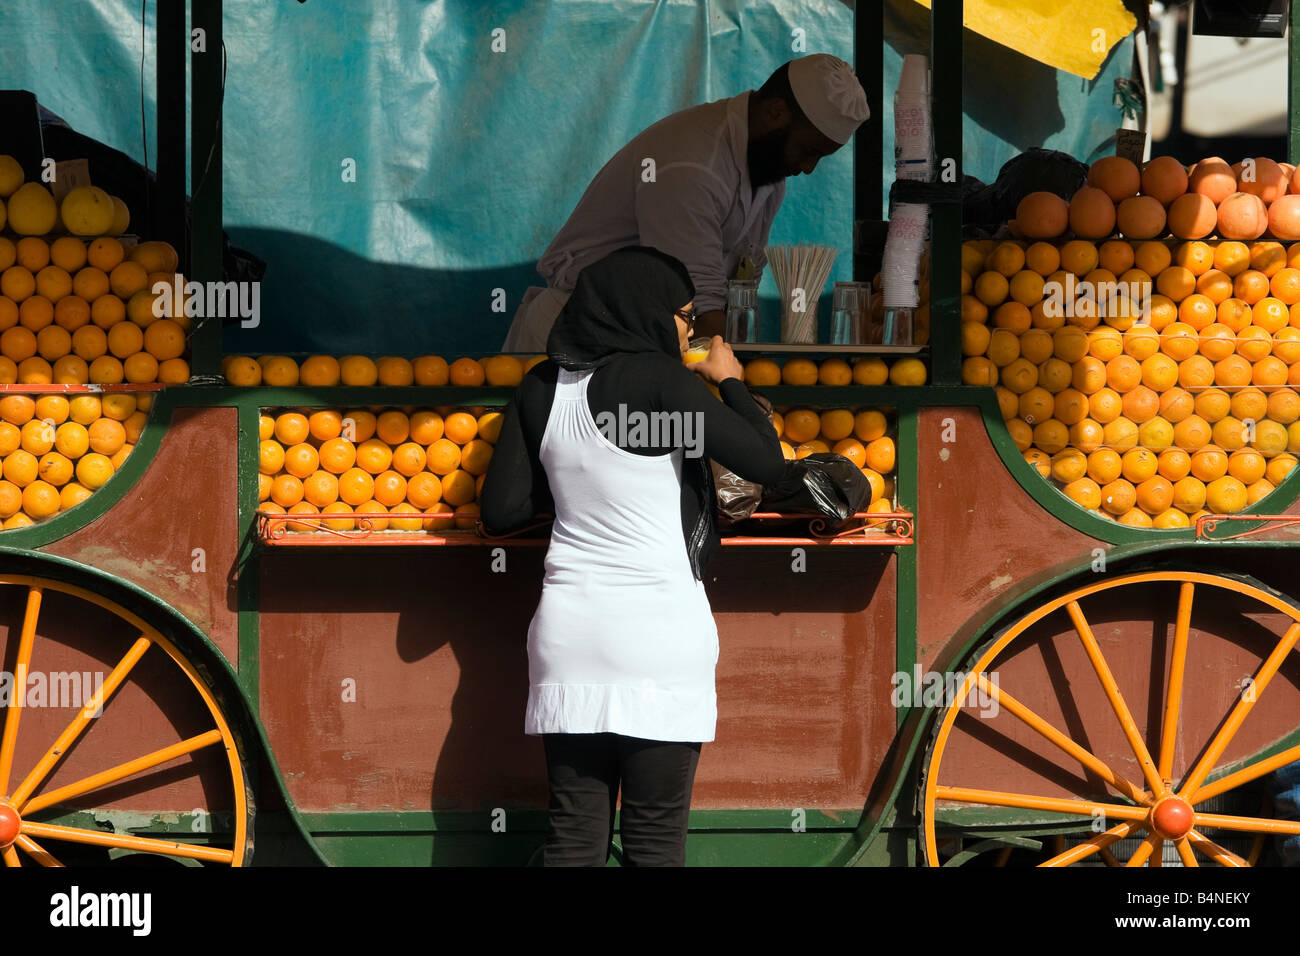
(435, 644)
(978, 531)
(186, 499)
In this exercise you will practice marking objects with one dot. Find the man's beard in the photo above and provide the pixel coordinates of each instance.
(765, 158)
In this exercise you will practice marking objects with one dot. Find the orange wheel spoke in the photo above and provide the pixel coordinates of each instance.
(1213, 850)
(84, 717)
(36, 852)
(997, 798)
(1243, 707)
(1247, 774)
(1116, 699)
(1173, 702)
(1184, 848)
(9, 741)
(128, 842)
(121, 772)
(1109, 857)
(10, 856)
(1144, 850)
(1248, 824)
(1097, 844)
(1041, 726)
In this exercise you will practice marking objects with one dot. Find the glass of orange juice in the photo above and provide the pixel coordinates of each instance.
(697, 350)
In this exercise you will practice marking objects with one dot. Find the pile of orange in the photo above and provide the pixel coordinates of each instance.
(864, 436)
(871, 370)
(56, 450)
(1151, 417)
(1243, 201)
(326, 370)
(77, 312)
(405, 465)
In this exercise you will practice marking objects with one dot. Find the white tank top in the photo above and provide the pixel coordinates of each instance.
(623, 640)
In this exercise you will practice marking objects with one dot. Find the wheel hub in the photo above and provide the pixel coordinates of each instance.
(1172, 818)
(10, 825)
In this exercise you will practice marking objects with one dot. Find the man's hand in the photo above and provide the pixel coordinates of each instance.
(709, 324)
(721, 364)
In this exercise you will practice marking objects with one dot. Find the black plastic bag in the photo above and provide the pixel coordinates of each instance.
(737, 498)
(822, 483)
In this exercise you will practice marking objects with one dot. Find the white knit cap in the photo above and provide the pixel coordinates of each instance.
(829, 95)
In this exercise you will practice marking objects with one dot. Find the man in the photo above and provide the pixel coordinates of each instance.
(702, 185)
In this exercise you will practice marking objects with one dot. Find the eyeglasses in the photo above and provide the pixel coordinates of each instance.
(689, 317)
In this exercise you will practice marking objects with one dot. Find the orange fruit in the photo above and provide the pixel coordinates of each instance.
(489, 426)
(443, 456)
(358, 425)
(408, 459)
(1087, 435)
(868, 425)
(1173, 463)
(991, 288)
(356, 486)
(358, 370)
(1105, 344)
(424, 490)
(390, 488)
(37, 437)
(802, 425)
(373, 456)
(762, 372)
(286, 490)
(1136, 518)
(395, 371)
(320, 488)
(1225, 495)
(325, 424)
(1120, 434)
(1139, 464)
(270, 457)
(1209, 463)
(1196, 257)
(40, 499)
(302, 508)
(392, 427)
(1267, 257)
(1270, 314)
(467, 372)
(1176, 404)
(1118, 496)
(462, 427)
(1104, 465)
(977, 370)
(1088, 375)
(1069, 407)
(1250, 286)
(1229, 433)
(71, 440)
(1189, 495)
(1247, 465)
(1123, 373)
(972, 310)
(93, 469)
(1179, 341)
(458, 488)
(1176, 283)
(1197, 310)
(301, 460)
(17, 409)
(1283, 406)
(853, 450)
(1232, 372)
(320, 370)
(1140, 403)
(835, 371)
(430, 370)
(1248, 403)
(426, 427)
(17, 283)
(1155, 495)
(870, 371)
(292, 428)
(881, 455)
(1279, 467)
(1212, 404)
(55, 467)
(1215, 285)
(1084, 492)
(338, 524)
(1105, 405)
(337, 455)
(11, 499)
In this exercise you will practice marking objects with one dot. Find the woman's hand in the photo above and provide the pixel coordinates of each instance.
(721, 364)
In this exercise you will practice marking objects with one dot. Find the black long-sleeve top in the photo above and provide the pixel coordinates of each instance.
(737, 433)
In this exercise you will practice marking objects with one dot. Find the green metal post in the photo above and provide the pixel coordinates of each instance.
(205, 174)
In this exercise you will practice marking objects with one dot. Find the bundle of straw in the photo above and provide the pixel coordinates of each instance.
(800, 273)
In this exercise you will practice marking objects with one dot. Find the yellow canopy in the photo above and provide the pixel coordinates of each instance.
(1070, 35)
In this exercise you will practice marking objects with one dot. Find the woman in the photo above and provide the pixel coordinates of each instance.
(622, 647)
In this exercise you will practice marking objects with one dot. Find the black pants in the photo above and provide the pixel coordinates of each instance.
(585, 772)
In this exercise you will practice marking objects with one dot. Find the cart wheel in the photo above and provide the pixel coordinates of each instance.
(1113, 720)
(143, 746)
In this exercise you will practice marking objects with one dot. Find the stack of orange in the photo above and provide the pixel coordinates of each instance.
(56, 450)
(407, 462)
(74, 312)
(1153, 418)
(326, 370)
(870, 370)
(863, 436)
(1243, 201)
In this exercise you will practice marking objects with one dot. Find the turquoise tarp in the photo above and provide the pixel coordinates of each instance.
(468, 160)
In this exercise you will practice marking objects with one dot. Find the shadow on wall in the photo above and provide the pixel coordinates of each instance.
(319, 297)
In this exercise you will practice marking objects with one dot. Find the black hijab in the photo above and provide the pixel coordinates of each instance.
(621, 305)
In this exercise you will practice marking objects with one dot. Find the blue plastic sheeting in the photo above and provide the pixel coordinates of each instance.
(468, 160)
